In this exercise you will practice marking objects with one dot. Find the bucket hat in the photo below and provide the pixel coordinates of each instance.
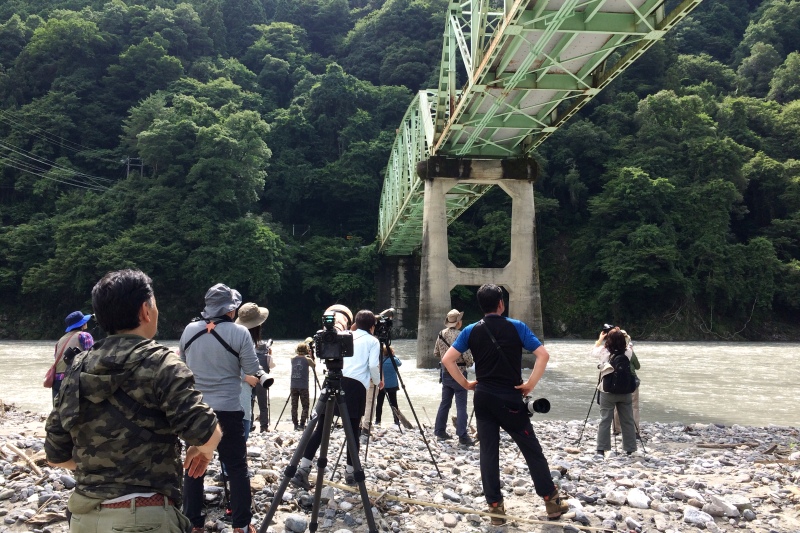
(221, 299)
(251, 315)
(75, 320)
(453, 318)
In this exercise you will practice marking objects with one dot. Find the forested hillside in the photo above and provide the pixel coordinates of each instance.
(244, 141)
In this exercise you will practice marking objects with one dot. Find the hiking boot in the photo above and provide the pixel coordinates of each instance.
(300, 478)
(497, 508)
(249, 529)
(443, 435)
(350, 478)
(465, 440)
(555, 505)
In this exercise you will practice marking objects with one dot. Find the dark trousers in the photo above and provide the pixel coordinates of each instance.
(355, 396)
(392, 393)
(263, 406)
(299, 396)
(233, 453)
(493, 412)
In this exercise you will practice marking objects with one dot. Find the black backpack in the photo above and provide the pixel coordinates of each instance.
(621, 380)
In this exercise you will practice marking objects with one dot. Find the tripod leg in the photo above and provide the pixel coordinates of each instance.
(268, 413)
(282, 410)
(416, 418)
(358, 471)
(291, 469)
(578, 442)
(322, 463)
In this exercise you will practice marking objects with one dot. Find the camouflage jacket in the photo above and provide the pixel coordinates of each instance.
(440, 348)
(113, 456)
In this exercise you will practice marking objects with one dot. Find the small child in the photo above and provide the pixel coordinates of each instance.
(299, 383)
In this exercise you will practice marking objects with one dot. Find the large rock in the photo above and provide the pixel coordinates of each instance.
(296, 523)
(638, 499)
(696, 517)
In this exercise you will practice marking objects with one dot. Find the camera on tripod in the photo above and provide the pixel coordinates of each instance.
(540, 405)
(383, 326)
(331, 343)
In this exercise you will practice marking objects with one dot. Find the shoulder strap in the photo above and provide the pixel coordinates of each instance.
(64, 347)
(141, 433)
(211, 325)
(503, 355)
(441, 337)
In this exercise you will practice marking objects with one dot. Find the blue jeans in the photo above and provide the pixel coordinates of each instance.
(232, 451)
(450, 388)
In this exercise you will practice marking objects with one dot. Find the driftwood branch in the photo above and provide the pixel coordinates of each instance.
(24, 458)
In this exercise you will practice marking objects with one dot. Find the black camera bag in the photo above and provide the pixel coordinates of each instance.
(621, 380)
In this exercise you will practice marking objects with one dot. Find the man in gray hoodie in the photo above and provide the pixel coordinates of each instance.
(218, 352)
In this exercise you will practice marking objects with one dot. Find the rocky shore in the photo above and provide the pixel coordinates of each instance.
(684, 478)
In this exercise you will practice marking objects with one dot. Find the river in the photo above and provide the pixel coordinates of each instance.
(726, 383)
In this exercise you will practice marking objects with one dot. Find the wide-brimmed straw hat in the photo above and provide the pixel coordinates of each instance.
(251, 315)
(75, 320)
(453, 318)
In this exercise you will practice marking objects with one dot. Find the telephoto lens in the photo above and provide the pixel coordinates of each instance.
(537, 406)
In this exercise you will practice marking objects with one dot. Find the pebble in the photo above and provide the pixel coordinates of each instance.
(676, 486)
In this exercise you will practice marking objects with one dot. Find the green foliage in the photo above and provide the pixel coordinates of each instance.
(263, 128)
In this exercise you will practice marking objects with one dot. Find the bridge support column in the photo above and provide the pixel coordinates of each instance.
(520, 277)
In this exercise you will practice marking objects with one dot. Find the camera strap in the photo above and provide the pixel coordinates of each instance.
(211, 324)
(503, 355)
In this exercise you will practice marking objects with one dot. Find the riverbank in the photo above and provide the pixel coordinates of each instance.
(702, 476)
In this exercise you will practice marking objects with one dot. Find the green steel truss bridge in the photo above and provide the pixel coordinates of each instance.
(511, 73)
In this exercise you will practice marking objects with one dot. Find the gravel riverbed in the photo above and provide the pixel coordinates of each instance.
(684, 478)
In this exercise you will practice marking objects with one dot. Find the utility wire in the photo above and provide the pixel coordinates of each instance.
(24, 153)
(42, 172)
(27, 168)
(7, 118)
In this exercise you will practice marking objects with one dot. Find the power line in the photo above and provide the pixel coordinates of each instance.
(31, 170)
(7, 118)
(28, 155)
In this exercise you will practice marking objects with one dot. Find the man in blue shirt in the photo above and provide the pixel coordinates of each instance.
(496, 343)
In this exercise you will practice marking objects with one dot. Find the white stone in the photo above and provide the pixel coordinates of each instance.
(638, 499)
(694, 516)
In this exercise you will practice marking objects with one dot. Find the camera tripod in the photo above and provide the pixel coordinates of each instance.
(323, 414)
(385, 346)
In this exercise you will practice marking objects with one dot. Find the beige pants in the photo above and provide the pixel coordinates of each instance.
(635, 399)
(89, 517)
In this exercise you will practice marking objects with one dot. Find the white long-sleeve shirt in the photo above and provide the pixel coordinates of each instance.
(366, 359)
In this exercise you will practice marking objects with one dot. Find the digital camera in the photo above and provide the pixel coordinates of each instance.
(331, 343)
(540, 405)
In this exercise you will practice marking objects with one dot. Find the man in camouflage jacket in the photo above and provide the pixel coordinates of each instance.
(117, 419)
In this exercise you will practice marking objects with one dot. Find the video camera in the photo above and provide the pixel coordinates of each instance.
(331, 343)
(383, 326)
(540, 405)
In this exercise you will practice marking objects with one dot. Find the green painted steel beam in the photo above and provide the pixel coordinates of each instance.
(531, 65)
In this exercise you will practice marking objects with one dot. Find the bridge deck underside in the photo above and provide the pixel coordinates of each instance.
(530, 67)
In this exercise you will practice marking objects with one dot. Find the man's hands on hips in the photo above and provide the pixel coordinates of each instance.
(471, 385)
(525, 388)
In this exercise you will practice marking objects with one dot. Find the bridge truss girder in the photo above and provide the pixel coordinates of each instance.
(530, 65)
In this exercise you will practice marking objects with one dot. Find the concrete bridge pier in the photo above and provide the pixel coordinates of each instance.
(438, 275)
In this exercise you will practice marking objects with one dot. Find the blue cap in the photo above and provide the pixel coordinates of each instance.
(75, 320)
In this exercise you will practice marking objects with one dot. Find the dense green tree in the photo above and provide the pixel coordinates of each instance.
(785, 84)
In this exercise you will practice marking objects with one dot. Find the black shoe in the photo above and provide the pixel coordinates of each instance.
(297, 427)
(350, 478)
(465, 440)
(443, 436)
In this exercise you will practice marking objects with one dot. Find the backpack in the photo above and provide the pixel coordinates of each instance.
(621, 380)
